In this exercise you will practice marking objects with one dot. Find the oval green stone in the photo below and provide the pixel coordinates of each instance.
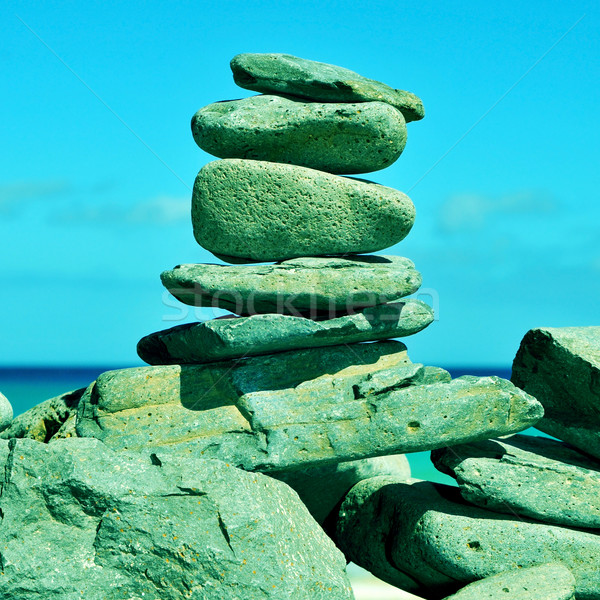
(338, 138)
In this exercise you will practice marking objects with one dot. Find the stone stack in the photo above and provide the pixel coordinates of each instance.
(151, 482)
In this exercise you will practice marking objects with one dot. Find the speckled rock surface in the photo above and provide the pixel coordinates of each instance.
(337, 138)
(220, 339)
(44, 420)
(561, 368)
(532, 476)
(283, 73)
(545, 582)
(312, 286)
(301, 408)
(322, 488)
(428, 532)
(80, 521)
(267, 211)
(6, 412)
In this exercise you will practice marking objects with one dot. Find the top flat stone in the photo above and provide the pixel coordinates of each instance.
(332, 137)
(265, 211)
(561, 368)
(287, 74)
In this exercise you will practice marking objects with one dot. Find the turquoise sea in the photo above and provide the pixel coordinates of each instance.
(27, 386)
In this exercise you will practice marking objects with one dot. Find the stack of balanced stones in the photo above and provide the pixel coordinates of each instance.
(256, 448)
(290, 362)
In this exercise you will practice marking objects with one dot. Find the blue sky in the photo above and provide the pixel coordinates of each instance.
(98, 161)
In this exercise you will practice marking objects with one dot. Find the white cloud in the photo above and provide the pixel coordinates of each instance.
(472, 212)
(161, 210)
(14, 194)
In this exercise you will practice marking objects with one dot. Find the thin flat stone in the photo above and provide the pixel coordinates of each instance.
(313, 286)
(545, 582)
(283, 73)
(527, 475)
(223, 339)
(561, 368)
(337, 138)
(427, 532)
(301, 408)
(270, 211)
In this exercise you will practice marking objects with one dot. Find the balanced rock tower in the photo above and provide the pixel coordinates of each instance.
(174, 480)
(286, 384)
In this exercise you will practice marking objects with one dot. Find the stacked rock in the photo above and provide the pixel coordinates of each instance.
(522, 501)
(170, 500)
(299, 326)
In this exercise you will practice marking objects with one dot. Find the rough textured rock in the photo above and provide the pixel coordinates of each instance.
(545, 582)
(561, 368)
(301, 408)
(322, 488)
(338, 138)
(80, 521)
(283, 73)
(311, 285)
(532, 476)
(267, 211)
(44, 420)
(428, 532)
(220, 339)
(6, 412)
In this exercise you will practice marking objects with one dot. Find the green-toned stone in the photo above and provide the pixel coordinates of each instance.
(428, 532)
(268, 211)
(283, 73)
(532, 476)
(43, 421)
(6, 412)
(314, 286)
(545, 582)
(561, 368)
(220, 339)
(338, 138)
(81, 521)
(301, 408)
(322, 488)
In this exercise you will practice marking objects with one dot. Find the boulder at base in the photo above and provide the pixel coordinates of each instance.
(80, 521)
